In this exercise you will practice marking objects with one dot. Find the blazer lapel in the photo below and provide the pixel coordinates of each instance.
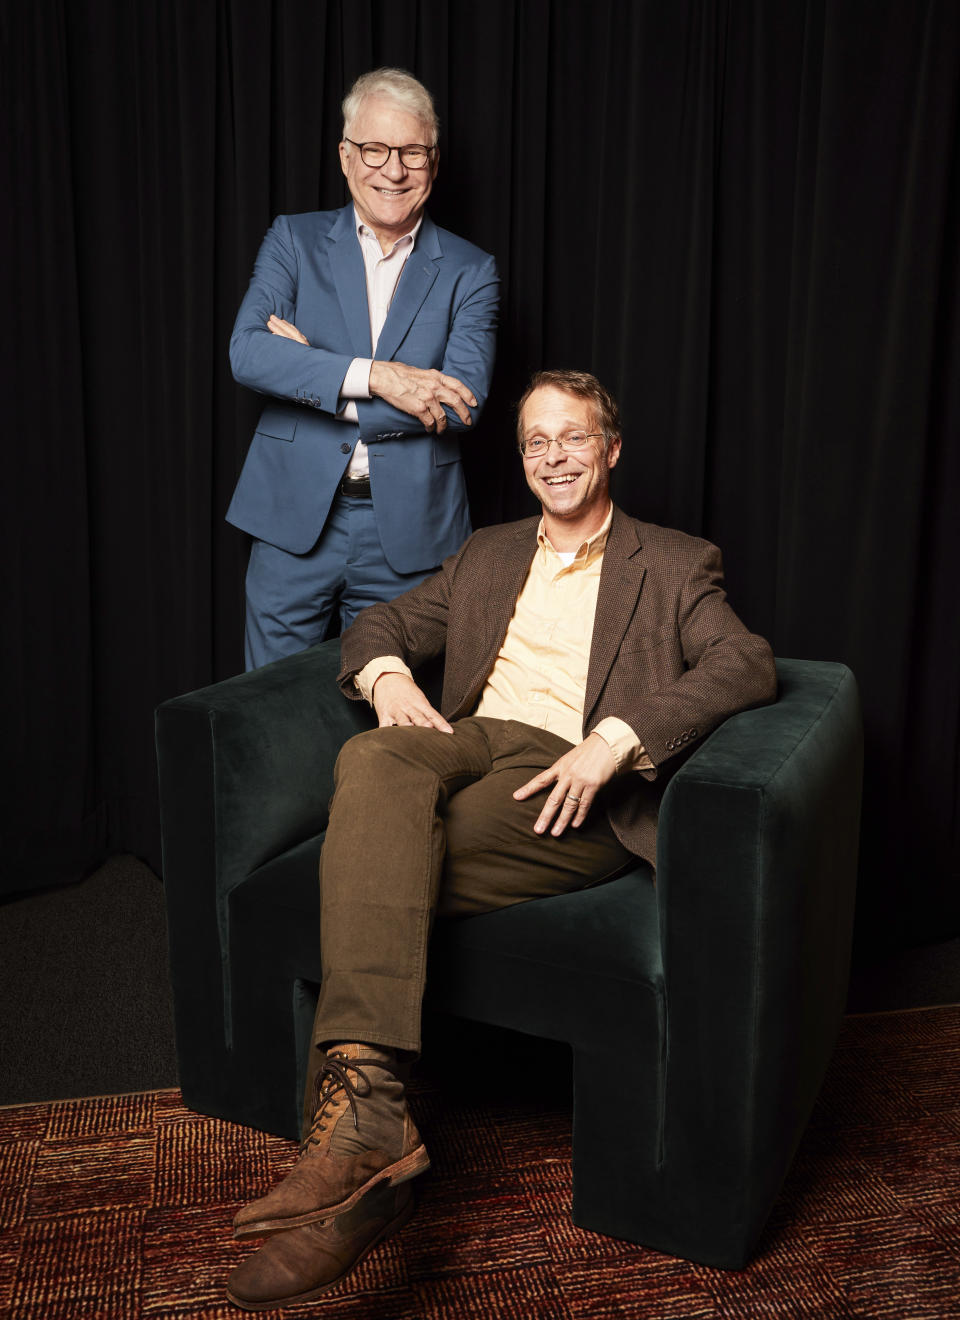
(499, 599)
(350, 278)
(621, 578)
(416, 281)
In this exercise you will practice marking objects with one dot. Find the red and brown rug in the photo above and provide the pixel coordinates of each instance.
(121, 1207)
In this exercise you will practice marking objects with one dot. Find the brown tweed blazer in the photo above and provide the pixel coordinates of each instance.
(669, 655)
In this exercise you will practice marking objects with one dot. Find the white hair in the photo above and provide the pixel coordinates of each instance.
(395, 85)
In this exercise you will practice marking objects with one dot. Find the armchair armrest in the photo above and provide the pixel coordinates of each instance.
(757, 852)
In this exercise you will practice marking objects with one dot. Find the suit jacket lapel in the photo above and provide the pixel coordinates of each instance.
(498, 603)
(350, 278)
(416, 281)
(621, 578)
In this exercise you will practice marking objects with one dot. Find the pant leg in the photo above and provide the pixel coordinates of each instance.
(368, 577)
(493, 858)
(379, 875)
(290, 598)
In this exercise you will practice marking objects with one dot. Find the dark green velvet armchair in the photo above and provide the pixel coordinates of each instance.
(718, 991)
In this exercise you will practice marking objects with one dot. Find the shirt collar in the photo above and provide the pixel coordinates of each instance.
(364, 231)
(590, 549)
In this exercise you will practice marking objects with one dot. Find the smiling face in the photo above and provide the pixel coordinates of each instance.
(389, 198)
(574, 489)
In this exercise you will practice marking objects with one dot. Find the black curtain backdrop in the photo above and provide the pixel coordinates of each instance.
(743, 216)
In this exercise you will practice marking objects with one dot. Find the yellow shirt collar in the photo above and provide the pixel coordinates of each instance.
(589, 550)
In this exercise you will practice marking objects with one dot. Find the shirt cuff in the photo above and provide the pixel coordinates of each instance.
(356, 383)
(372, 670)
(628, 750)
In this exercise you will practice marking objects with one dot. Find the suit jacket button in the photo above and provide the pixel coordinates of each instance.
(344, 447)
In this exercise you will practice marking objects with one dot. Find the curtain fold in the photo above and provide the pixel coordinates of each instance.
(54, 819)
(743, 217)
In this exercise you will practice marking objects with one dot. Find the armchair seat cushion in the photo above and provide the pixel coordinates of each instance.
(536, 967)
(563, 968)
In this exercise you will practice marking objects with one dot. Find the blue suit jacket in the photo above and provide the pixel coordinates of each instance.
(309, 270)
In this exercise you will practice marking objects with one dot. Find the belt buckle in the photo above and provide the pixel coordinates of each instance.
(358, 487)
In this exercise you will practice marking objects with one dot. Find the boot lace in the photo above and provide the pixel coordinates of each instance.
(330, 1081)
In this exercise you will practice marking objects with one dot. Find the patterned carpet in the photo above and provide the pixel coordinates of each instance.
(120, 1207)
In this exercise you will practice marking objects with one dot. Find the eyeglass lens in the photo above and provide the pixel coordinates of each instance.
(412, 155)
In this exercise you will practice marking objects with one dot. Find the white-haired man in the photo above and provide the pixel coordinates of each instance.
(372, 332)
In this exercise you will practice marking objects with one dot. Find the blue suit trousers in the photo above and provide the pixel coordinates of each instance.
(291, 598)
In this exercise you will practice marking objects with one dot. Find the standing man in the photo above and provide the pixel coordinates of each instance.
(372, 333)
(584, 651)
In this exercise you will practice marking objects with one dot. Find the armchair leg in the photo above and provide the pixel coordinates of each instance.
(618, 1124)
(629, 1181)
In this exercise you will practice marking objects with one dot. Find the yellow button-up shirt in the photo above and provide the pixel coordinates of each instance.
(540, 674)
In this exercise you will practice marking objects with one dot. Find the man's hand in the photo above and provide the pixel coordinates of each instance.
(421, 392)
(398, 700)
(277, 326)
(577, 778)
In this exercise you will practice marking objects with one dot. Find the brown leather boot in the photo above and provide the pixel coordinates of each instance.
(362, 1135)
(302, 1263)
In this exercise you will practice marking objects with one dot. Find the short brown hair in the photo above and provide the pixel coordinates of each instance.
(584, 386)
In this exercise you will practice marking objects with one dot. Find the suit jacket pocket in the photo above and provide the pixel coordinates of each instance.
(655, 656)
(640, 640)
(277, 422)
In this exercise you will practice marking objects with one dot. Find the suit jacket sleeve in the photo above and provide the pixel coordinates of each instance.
(269, 363)
(680, 683)
(469, 356)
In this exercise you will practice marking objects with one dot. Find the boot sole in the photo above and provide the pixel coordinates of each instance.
(417, 1162)
(393, 1226)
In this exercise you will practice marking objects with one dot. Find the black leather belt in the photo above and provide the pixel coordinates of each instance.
(359, 487)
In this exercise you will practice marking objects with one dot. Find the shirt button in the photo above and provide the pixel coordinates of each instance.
(344, 448)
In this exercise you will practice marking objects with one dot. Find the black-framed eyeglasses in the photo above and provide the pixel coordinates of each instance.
(414, 154)
(570, 442)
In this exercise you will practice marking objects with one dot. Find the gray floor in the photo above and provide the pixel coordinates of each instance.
(87, 1007)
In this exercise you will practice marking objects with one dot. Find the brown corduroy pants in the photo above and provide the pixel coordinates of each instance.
(424, 822)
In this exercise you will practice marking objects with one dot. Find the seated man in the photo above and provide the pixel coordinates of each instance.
(583, 653)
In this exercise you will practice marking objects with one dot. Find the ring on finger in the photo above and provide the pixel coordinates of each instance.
(571, 798)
